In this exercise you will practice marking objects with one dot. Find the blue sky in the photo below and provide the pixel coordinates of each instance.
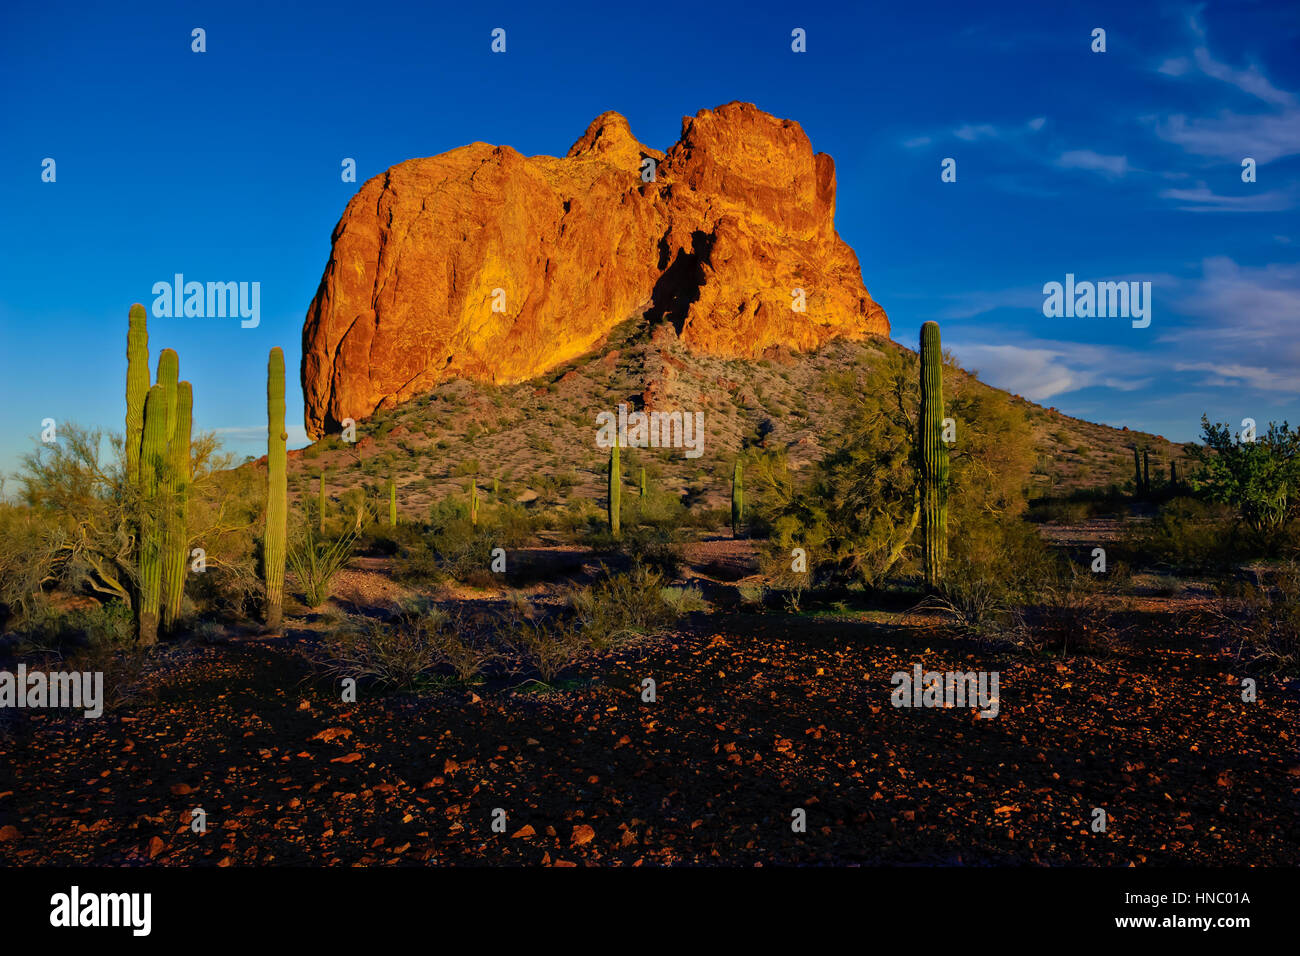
(224, 166)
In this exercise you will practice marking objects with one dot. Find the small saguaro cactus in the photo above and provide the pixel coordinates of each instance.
(137, 387)
(153, 452)
(175, 536)
(277, 491)
(934, 458)
(614, 501)
(642, 481)
(737, 498)
(392, 503)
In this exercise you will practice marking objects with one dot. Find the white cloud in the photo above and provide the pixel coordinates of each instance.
(1230, 375)
(1041, 370)
(1232, 135)
(972, 132)
(1109, 166)
(1203, 199)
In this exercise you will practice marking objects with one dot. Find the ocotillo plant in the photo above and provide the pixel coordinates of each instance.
(392, 503)
(737, 498)
(153, 452)
(137, 387)
(614, 501)
(934, 458)
(175, 537)
(320, 503)
(277, 491)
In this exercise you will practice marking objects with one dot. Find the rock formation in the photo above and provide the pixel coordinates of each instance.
(489, 265)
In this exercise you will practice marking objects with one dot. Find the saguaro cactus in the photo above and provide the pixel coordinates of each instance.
(934, 458)
(153, 451)
(392, 503)
(1173, 474)
(277, 491)
(137, 387)
(615, 498)
(643, 481)
(737, 498)
(175, 530)
(473, 502)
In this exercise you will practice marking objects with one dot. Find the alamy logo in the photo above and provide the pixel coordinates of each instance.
(75, 908)
(953, 689)
(651, 430)
(213, 300)
(82, 691)
(1103, 300)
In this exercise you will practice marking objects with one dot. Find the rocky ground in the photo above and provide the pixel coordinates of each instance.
(756, 715)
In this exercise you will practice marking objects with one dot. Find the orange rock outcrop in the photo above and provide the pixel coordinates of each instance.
(489, 265)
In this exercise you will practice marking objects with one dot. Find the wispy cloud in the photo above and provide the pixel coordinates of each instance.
(1231, 135)
(1111, 167)
(1042, 370)
(1203, 199)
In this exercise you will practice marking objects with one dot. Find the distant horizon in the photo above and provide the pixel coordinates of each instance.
(1122, 166)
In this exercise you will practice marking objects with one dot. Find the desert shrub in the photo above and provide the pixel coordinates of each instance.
(656, 549)
(997, 566)
(620, 606)
(404, 651)
(683, 600)
(315, 562)
(1261, 612)
(858, 512)
(79, 516)
(1185, 535)
(1259, 479)
(548, 645)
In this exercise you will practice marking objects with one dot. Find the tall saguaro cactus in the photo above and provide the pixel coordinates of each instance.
(934, 458)
(137, 387)
(277, 491)
(175, 519)
(737, 498)
(153, 453)
(615, 498)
